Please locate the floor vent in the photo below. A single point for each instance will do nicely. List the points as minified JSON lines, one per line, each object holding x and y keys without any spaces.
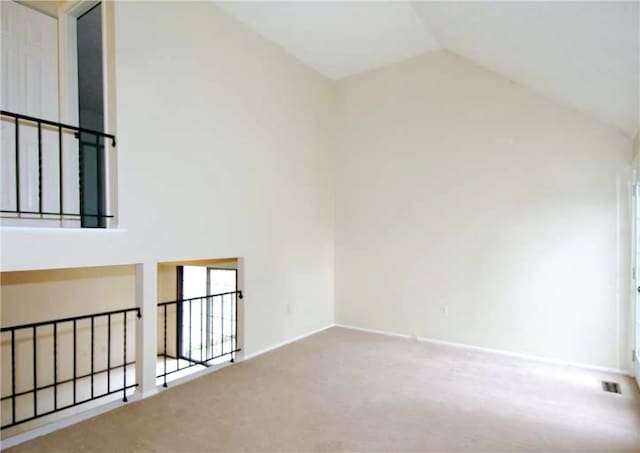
{"x":611,"y":387}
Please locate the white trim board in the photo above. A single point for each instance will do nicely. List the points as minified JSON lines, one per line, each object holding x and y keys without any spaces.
{"x":284,"y":343}
{"x":519,"y":355}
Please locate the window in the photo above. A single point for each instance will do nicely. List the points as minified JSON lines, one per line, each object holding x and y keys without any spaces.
{"x":206,"y":325}
{"x":91,"y":116}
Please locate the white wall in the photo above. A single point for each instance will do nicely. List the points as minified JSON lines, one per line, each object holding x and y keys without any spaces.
{"x":471,"y":210}
{"x":222,"y":151}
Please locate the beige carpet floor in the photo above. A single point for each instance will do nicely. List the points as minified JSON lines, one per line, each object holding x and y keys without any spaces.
{"x":344,"y":390}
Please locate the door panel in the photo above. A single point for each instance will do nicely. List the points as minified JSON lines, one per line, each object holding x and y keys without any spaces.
{"x":29,"y":86}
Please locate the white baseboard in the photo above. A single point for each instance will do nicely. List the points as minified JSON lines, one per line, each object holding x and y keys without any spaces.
{"x":519,"y":355}
{"x":284,"y":343}
{"x":149,"y":393}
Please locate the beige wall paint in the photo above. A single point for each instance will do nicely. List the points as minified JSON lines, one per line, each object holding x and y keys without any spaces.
{"x":222,"y":151}
{"x":469,"y":209}
{"x":34,"y":296}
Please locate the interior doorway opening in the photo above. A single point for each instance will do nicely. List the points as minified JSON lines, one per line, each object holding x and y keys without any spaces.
{"x":199,"y":316}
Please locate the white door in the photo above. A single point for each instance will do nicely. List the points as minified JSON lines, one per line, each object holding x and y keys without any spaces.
{"x":30,"y":87}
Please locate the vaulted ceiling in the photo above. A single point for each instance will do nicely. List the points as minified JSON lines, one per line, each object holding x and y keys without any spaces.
{"x":583,"y":54}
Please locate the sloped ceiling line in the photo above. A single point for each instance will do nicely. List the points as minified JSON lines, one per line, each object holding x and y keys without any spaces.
{"x":585,"y":55}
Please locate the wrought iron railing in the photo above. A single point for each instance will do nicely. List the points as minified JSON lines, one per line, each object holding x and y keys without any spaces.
{"x":95,"y":216}
{"x":203,"y":329}
{"x":43,"y":359}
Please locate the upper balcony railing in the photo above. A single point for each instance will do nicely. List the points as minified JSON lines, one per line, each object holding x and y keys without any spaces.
{"x":53,"y":171}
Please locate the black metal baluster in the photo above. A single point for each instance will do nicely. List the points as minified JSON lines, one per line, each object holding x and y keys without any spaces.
{"x":40,"y":168}
{"x":74,"y":361}
{"x":210,"y":320}
{"x":190,"y":329}
{"x":13,"y":376}
{"x":92,"y":336}
{"x":17,"y":166}
{"x":165,"y":346}
{"x":179,"y":331}
{"x":55,"y":366}
{"x":108,"y":353}
{"x":208,"y":328}
{"x":99,"y":181}
{"x":124,"y":361}
{"x":60,"y":178}
{"x":35,"y":373}
{"x":204,"y":327}
{"x":234,"y":343}
{"x":221,"y":325}
{"x":81,"y":179}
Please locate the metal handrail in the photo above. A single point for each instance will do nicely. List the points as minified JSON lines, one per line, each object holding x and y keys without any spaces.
{"x":70,"y":319}
{"x":239,"y":293}
{"x":20,"y":116}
